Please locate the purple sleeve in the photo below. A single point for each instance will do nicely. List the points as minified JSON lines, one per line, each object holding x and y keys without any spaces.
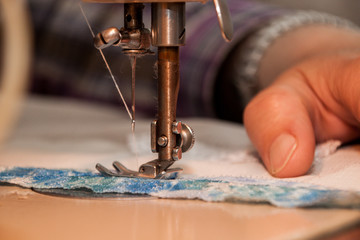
{"x":206,"y":50}
{"x":67,"y":64}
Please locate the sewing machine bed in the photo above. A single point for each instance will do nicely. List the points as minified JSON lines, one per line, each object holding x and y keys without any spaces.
{"x":62,"y":134}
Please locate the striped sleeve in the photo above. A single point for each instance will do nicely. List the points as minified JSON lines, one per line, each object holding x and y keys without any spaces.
{"x":206,"y":50}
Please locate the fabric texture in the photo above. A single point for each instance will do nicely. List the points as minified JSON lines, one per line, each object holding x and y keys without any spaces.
{"x":58,"y":144}
{"x":229,"y":189}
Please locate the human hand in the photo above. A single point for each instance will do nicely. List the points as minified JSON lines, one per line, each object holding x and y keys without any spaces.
{"x":311,"y":102}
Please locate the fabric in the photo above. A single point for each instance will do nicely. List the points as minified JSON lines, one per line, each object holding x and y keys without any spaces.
{"x":58,"y":144}
{"x":230,"y":189}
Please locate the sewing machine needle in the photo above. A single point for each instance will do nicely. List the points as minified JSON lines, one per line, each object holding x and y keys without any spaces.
{"x":133,"y":70}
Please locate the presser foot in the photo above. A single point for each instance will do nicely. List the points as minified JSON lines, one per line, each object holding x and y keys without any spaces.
{"x":156,"y":169}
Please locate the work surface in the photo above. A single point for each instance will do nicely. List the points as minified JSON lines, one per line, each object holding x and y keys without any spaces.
{"x":63,"y":132}
{"x":29,"y":215}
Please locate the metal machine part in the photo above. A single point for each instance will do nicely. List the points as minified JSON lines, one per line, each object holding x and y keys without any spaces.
{"x":133,"y":38}
{"x":185,"y":139}
{"x":169,"y":138}
{"x":224,"y":17}
{"x":168,"y":24}
{"x":155,"y":169}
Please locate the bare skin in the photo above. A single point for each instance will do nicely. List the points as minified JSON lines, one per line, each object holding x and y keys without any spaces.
{"x":314,"y":97}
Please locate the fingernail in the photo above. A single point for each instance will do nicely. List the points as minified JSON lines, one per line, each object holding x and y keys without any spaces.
{"x":281,"y":152}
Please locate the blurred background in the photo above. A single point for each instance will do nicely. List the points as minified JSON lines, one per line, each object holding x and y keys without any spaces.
{"x":64,"y":61}
{"x":49,"y":51}
{"x":344,"y":8}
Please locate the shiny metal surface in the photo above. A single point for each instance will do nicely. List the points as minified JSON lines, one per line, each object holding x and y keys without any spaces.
{"x":168,"y":24}
{"x":133,"y":38}
{"x":177,"y":127}
{"x":155,"y":169}
{"x":107,"y":38}
{"x":133,"y":16}
{"x":153,"y":136}
{"x":224,"y":18}
{"x":176,"y":153}
{"x":169,"y":138}
{"x":160,"y":168}
{"x":187,"y":136}
{"x":168,"y":33}
{"x":168,"y":88}
{"x":138,"y":39}
{"x":184,"y":139}
{"x":162,"y":141}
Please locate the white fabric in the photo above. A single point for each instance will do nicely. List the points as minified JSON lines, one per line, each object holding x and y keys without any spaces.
{"x":55,"y":133}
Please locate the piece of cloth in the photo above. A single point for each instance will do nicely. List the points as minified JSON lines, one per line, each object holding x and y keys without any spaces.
{"x":58,"y":143}
{"x":230,"y":189}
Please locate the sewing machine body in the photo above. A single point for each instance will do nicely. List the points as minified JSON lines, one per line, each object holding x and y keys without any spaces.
{"x":169,"y":137}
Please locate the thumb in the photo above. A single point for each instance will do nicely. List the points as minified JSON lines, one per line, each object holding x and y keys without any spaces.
{"x":279,"y":124}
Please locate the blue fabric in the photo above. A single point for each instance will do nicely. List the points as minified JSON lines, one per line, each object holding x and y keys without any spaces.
{"x":234,"y":189}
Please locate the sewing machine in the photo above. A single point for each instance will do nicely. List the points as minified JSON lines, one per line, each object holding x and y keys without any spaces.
{"x":169,"y":137}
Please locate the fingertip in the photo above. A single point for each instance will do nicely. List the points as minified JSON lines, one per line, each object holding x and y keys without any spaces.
{"x":280,"y":128}
{"x":281,"y":152}
{"x":294,"y":161}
